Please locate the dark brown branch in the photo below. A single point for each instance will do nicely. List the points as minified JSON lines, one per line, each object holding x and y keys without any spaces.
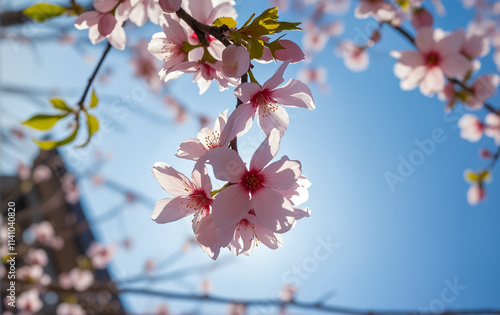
{"x":202,"y":30}
{"x":94,"y":74}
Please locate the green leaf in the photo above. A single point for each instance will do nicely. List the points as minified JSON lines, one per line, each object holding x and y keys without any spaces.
{"x":43,"y":122}
{"x":94,"y":100}
{"x":50,"y":144}
{"x":267,"y":23}
{"x":248,"y":21}
{"x":60,"y":104}
{"x":255,"y":47}
{"x":93,"y":126}
{"x":43,"y":11}
{"x":225,"y":20}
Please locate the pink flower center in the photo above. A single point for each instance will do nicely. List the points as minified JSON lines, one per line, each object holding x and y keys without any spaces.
{"x":252,"y":181}
{"x":212,"y":141}
{"x":245,"y":224}
{"x":265,"y":102}
{"x":198,"y":200}
{"x":432,"y":59}
{"x":170,"y":50}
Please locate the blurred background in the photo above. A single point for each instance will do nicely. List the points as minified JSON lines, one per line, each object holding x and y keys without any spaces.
{"x":382,"y":245}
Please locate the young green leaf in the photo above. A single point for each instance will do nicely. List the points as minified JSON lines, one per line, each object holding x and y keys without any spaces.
{"x":51,"y":144}
{"x":225,"y":20}
{"x":43,"y":122}
{"x":94,"y":100}
{"x":43,"y":11}
{"x":60,"y":104}
{"x":93,"y":126}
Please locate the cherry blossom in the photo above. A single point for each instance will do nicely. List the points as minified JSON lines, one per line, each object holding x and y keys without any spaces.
{"x":290,"y":51}
{"x":355,"y":57}
{"x":477,"y":191}
{"x":207,"y":139}
{"x":37,"y":257}
{"x":77,"y":278}
{"x":492,"y":128}
{"x":482,"y":89}
{"x":101,"y":255}
{"x":378,"y":9}
{"x":142,"y":10}
{"x":70,"y":309}
{"x":420,"y":17}
{"x":106,"y":22}
{"x":265,"y":103}
{"x":438,"y":56}
{"x":168,"y":45}
{"x":471,"y":127}
{"x":145,"y":65}
{"x":33,"y":274}
{"x":256,"y":188}
{"x":244,"y":235}
{"x":190,"y":197}
{"x":29,"y":301}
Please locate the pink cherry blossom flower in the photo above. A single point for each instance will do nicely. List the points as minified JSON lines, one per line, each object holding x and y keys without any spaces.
{"x":235,"y":61}
{"x":471,"y":127}
{"x":170,"y":6}
{"x":29,"y":301}
{"x":449,"y":95}
{"x":43,"y":232}
{"x":265,"y":103}
{"x":162,"y":309}
{"x":492,"y":128}
{"x":70,"y":309}
{"x":476,"y":45}
{"x":106,"y":22}
{"x":33,"y":274}
{"x":314,"y":75}
{"x":190,"y":197}
{"x":288,"y":292}
{"x":378,"y":9}
{"x":476,"y":194}
{"x":355,"y":57}
{"x":314,"y":38}
{"x":37,"y":257}
{"x":203,"y":74}
{"x":257,"y":187}
{"x":438,"y":56}
{"x":207,"y":139}
{"x":142,"y":10}
{"x":41,"y":173}
{"x":483,"y":88}
{"x":243,"y":236}
{"x":168,"y":45}
{"x":237,"y":309}
{"x":101,"y":255}
{"x":80,"y":279}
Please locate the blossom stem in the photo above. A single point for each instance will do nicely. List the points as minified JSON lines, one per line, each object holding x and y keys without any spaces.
{"x":93,"y":76}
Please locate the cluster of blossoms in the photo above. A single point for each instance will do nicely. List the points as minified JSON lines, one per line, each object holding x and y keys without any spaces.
{"x":443,"y":64}
{"x":259,"y":202}
{"x":34,"y":269}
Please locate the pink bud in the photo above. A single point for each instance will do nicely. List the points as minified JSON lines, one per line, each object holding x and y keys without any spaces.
{"x":421,"y":18}
{"x":170,"y":6}
{"x":235,"y":61}
{"x":485,"y":154}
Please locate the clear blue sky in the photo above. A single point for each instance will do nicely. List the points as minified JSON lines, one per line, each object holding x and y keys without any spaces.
{"x":394,"y":249}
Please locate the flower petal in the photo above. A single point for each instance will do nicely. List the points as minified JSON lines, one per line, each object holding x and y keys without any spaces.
{"x":246,"y":91}
{"x":282,"y":174}
{"x":294,"y":93}
{"x":172,"y":181}
{"x":266,"y":151}
{"x":171,"y":209}
{"x":201,"y":180}
{"x":275,"y":119}
{"x":227,"y":164}
{"x":273,"y":210}
{"x":205,"y":232}
{"x":424,"y":40}
{"x":230,"y":206}
{"x":238,"y":123}
{"x":106,"y":24}
{"x":277,"y":77}
{"x":191,"y":149}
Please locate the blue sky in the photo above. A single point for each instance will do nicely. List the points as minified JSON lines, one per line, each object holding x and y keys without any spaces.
{"x":392,"y":249}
